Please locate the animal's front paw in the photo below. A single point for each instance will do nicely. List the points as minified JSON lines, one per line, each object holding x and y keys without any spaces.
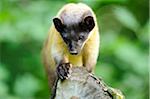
{"x":63,"y":70}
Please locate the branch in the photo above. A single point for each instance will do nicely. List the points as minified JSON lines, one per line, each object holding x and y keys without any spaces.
{"x":84,"y":85}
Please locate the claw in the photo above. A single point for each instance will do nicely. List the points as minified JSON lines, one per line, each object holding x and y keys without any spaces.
{"x":63,"y":71}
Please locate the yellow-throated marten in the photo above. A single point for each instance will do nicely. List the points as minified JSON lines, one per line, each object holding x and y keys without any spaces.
{"x":73,"y":38}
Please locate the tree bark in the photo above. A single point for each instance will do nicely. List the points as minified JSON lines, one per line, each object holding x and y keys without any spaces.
{"x":83,"y":85}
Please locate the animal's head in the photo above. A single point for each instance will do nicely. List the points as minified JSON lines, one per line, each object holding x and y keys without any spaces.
{"x":75,"y":24}
{"x":75,"y":35}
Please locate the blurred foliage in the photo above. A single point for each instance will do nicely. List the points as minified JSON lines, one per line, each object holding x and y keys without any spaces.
{"x":123,"y":59}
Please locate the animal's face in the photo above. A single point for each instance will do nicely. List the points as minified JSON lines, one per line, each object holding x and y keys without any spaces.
{"x":75,"y":35}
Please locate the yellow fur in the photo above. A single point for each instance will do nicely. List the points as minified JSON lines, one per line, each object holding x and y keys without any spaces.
{"x":55,"y":47}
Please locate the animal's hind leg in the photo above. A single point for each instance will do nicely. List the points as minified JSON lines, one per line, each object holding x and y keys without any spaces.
{"x":51,"y":74}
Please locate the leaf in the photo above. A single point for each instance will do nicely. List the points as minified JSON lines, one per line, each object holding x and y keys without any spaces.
{"x":4,"y":73}
{"x":126,"y":18}
{"x":26,"y":85}
{"x":3,"y":89}
{"x":132,"y":56}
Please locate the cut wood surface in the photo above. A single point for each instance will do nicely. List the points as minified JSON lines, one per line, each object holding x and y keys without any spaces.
{"x":83,"y":85}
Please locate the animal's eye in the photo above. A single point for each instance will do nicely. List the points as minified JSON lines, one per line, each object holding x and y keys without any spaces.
{"x":81,"y":37}
{"x":66,"y":39}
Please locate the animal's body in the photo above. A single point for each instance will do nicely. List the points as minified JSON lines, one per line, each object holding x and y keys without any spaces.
{"x":74,"y":38}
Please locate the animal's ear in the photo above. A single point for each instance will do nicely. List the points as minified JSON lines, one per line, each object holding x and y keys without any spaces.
{"x":58,"y":24}
{"x":89,"y":22}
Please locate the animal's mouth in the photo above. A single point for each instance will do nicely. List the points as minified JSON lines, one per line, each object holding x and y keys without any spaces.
{"x":74,"y":52}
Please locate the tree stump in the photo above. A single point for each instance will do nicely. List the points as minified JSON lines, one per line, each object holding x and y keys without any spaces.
{"x":83,"y":85}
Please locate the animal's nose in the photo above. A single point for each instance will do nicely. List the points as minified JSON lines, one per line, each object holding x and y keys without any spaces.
{"x":72,"y":50}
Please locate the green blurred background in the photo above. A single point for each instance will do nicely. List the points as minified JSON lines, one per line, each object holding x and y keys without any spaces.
{"x":123,"y":59}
